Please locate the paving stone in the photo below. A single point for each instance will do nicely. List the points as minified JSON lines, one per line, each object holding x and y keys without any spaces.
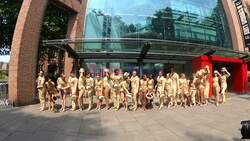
{"x":29,"y":127}
{"x":63,"y":137}
{"x":90,"y":128}
{"x":140,"y":137}
{"x":4,"y":134}
{"x":43,"y":136}
{"x":18,"y":136}
{"x":89,"y":138}
{"x":199,"y":123}
{"x":167,"y":136}
{"x":131,"y":126}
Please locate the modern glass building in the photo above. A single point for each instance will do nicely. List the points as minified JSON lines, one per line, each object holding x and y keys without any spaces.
{"x":178,"y":30}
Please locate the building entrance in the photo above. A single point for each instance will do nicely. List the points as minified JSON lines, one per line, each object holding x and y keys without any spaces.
{"x":148,"y":67}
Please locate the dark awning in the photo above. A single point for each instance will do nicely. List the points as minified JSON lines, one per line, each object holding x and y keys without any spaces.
{"x":131,"y":48}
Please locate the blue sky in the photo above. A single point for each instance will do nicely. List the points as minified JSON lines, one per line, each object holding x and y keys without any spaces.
{"x":5,"y":58}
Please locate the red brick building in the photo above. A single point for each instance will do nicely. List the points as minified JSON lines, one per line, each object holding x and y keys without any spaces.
{"x":193,"y":34}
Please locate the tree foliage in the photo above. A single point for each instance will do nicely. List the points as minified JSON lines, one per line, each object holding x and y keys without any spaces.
{"x":54,"y":24}
{"x":9,"y":10}
{"x":3,"y":75}
{"x":163,"y":24}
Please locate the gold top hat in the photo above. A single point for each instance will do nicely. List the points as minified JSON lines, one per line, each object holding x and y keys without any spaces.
{"x":216,"y":71}
{"x":223,"y":69}
{"x":106,"y":70}
{"x":101,"y":97}
{"x":129,"y":95}
{"x":81,"y":70}
{"x":126,"y":74}
{"x":54,"y":97}
{"x":199,"y":72}
{"x":162,"y":95}
{"x":150,"y":96}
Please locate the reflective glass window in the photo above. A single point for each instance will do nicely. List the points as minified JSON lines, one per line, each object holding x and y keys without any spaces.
{"x":194,"y":21}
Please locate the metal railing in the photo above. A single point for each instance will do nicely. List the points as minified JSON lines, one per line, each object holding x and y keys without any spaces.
{"x":4,"y":103}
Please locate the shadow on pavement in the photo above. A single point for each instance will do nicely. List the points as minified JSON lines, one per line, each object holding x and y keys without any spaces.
{"x":201,"y":136}
{"x":28,"y":124}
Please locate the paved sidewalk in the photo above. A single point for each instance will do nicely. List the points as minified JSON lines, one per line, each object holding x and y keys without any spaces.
{"x":206,"y":123}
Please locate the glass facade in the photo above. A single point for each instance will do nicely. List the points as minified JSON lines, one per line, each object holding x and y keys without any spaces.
{"x":193,"y":21}
{"x":147,"y":67}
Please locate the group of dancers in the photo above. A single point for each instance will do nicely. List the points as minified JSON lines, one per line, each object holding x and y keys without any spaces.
{"x":170,"y":89}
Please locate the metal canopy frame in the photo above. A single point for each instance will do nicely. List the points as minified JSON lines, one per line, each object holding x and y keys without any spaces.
{"x":64,"y":47}
{"x":169,"y":50}
{"x":146,"y":47}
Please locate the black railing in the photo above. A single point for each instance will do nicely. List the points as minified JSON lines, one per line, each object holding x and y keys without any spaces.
{"x":4,"y":95}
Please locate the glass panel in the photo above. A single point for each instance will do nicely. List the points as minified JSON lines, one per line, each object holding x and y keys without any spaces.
{"x":129,"y":67}
{"x":195,"y":21}
{"x":148,"y":68}
{"x":93,"y":67}
{"x":99,"y":46}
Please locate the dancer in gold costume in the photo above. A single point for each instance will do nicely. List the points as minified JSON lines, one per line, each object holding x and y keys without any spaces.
{"x":89,"y":90}
{"x":52,"y":94}
{"x":223,"y":79}
{"x":63,"y":89}
{"x":124,"y":91}
{"x":143,"y":91}
{"x":160,"y":88}
{"x":184,"y":87}
{"x":193,"y":90}
{"x":175,"y":84}
{"x":216,"y":87}
{"x":116,"y":80}
{"x":73,"y":90}
{"x":206,"y":84}
{"x":41,"y":90}
{"x":106,"y":87}
{"x":135,"y":81}
{"x":81,"y":88}
{"x":151,"y":90}
{"x":168,"y":90}
{"x":200,"y":87}
{"x":98,"y":91}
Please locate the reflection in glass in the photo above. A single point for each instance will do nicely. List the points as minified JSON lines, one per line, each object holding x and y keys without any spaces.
{"x":195,"y":21}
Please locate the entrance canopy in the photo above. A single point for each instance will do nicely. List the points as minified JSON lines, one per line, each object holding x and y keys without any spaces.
{"x":140,"y":49}
{"x":146,"y":50}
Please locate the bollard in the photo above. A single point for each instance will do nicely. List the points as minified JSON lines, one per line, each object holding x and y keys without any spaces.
{"x":245,"y":129}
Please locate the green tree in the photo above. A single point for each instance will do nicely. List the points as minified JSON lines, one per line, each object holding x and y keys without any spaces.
{"x":9,"y":10}
{"x":163,"y":24}
{"x":54,"y":25}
